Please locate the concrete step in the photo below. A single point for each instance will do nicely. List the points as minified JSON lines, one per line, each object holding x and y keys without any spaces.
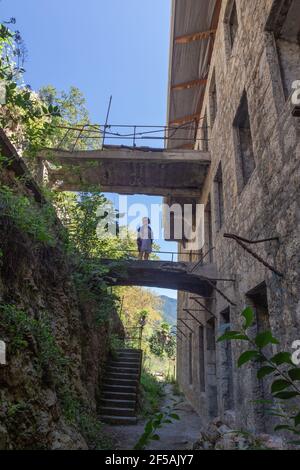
{"x":118,"y":419}
{"x":129,"y":382}
{"x":137,"y":356}
{"x":130,"y":359}
{"x":122,"y":370}
{"x":119,"y":388}
{"x":114,"y":403}
{"x":127,"y":359}
{"x":121,"y":375}
{"x":126,"y":364}
{"x":118,"y":403}
{"x":128,"y":412}
{"x":115,"y":395}
{"x":128,"y":350}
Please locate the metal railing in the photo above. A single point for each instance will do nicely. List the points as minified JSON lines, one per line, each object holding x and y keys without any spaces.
{"x":131,"y":135}
{"x":188,"y":254}
{"x":133,"y":337}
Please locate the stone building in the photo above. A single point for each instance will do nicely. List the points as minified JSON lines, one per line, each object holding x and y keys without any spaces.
{"x":232,"y":68}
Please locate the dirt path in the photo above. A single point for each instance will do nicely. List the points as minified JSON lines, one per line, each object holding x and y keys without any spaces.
{"x":176,"y":436}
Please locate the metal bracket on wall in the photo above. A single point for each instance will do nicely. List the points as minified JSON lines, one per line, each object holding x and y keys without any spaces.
{"x":177,"y":336}
{"x":193,"y":316}
{"x":178,"y":329}
{"x":221,"y":293}
{"x":242,"y":242}
{"x":187,"y":326}
{"x":204,"y":307}
{"x":201,"y":260}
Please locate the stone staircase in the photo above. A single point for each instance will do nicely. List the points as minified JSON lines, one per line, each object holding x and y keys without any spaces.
{"x":120,"y":390}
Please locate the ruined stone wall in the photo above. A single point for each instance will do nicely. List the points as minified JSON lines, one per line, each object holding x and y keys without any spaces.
{"x":37,"y":408}
{"x":268,"y":205}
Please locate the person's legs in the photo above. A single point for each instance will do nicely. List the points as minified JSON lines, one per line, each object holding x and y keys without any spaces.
{"x":140,"y":255}
{"x":146,"y":256}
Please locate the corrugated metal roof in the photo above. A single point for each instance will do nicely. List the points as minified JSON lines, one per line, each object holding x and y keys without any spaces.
{"x":189,"y":61}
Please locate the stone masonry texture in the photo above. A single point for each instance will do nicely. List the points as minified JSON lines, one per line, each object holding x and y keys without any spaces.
{"x":267,"y":206}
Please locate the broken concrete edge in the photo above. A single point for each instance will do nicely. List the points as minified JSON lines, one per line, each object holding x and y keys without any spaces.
{"x":17,"y":164}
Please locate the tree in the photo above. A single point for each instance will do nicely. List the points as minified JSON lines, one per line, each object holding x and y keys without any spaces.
{"x":136,"y":300}
{"x":24,"y":117}
{"x":162,"y":342}
{"x":45,"y":119}
{"x":74,"y":117}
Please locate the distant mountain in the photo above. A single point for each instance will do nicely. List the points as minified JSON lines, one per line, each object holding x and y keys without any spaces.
{"x":169,"y":309}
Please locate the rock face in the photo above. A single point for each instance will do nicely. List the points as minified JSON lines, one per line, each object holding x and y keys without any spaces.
{"x":51,"y":370}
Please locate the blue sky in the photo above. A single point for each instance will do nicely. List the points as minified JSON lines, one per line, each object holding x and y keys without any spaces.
{"x":115,"y":47}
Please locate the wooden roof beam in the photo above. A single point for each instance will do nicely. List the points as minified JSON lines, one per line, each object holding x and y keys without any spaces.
{"x":188,"y":85}
{"x":187,"y":146}
{"x":187,"y":38}
{"x":184,"y":120}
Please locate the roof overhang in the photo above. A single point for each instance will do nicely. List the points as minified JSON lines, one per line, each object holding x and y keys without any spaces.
{"x":193,"y":28}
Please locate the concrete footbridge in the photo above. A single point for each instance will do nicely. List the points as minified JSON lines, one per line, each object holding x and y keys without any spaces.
{"x":125,"y":170}
{"x":184,"y":276}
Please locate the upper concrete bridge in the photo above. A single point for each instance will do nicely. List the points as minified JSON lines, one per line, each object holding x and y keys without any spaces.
{"x":189,"y":277}
{"x":124,"y":170}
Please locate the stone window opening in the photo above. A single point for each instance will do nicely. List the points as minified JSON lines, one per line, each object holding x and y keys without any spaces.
{"x":201,"y":359}
{"x":213,"y":99}
{"x":219,"y":198}
{"x":211,"y":335}
{"x":204,"y":134}
{"x":231,"y":25}
{"x":226,"y":363}
{"x":244,"y":143}
{"x":257,"y":298}
{"x":285,"y":25}
{"x":208,"y":232}
{"x":190,"y":345}
{"x":212,"y":391}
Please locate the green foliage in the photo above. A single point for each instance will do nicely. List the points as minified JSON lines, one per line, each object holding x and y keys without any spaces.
{"x":285,"y":375}
{"x":81,"y":215}
{"x":23,"y":112}
{"x":115,"y":343}
{"x":176,"y":389}
{"x":249,"y":317}
{"x":73,"y":114}
{"x":92,"y":430}
{"x":15,"y":408}
{"x":162,"y":342}
{"x":87,"y":220}
{"x":153,"y":425}
{"x":25,"y":332}
{"x":38,"y":120}
{"x":69,"y":401}
{"x":21,"y":332}
{"x":20,"y":328}
{"x":36,"y":221}
{"x":152,"y":393}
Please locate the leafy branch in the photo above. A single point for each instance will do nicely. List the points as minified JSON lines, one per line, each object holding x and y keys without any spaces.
{"x":280,"y":366}
{"x":153,"y":425}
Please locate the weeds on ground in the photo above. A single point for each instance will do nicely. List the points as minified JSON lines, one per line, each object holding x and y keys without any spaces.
{"x":176,"y":389}
{"x":152,"y":393}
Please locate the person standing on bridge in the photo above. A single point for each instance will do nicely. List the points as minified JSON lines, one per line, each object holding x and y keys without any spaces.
{"x":145,"y":239}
